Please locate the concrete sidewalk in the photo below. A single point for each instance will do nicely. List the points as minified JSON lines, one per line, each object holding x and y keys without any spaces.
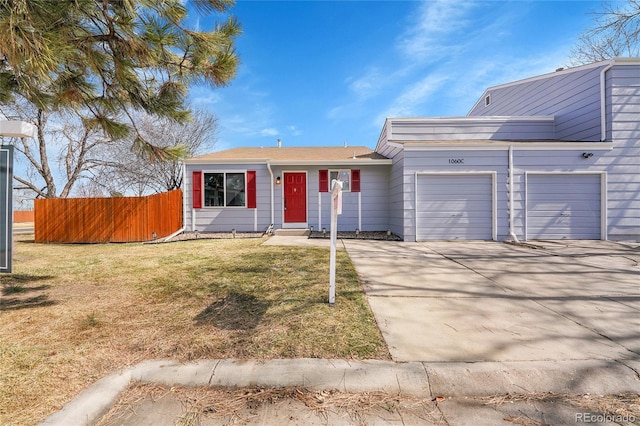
{"x":446,"y":386}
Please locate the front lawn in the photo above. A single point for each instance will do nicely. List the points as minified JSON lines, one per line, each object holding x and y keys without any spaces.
{"x":70,"y":314}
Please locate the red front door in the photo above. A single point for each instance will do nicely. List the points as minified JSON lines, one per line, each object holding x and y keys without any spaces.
{"x":295,"y":197}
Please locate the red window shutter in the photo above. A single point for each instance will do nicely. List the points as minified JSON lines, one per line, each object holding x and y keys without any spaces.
{"x":251,"y":189}
{"x":196,"y":183}
{"x":355,"y":180}
{"x":323,"y":177}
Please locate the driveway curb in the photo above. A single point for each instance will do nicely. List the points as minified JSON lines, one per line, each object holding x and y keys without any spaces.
{"x":419,"y":379}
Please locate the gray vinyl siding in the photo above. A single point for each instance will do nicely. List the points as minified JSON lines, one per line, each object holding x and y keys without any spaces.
{"x":495,"y":128}
{"x":475,"y":161}
{"x":224,"y":219}
{"x":573,"y":97}
{"x":396,"y":194}
{"x":374,"y":195}
{"x":623,"y":162}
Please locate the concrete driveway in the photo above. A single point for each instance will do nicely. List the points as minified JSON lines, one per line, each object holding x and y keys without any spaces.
{"x":489,"y":301}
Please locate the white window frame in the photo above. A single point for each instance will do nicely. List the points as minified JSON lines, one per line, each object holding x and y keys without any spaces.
{"x":338,"y":171}
{"x":224,"y":179}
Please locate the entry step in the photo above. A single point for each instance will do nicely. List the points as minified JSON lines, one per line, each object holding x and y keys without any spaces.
{"x":302,"y":232}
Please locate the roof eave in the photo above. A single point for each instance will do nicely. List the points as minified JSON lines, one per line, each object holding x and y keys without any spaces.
{"x":225,"y":161}
{"x":502,"y":144}
{"x":378,"y":162}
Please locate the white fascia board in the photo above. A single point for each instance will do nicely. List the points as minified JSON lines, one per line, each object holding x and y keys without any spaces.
{"x":17,"y":129}
{"x":189,"y":161}
{"x":332,"y":163}
{"x":384,"y":134}
{"x":292,"y":162}
{"x":475,"y":119}
{"x":502,"y":145}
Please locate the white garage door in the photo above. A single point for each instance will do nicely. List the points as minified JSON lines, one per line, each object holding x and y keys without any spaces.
{"x":563,"y":206}
{"x":451,"y":207}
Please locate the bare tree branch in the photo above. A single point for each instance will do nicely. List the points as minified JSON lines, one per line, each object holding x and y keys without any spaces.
{"x":616,"y":33}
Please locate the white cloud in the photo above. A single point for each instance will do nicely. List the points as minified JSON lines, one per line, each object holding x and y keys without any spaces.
{"x":207,"y":99}
{"x":269,"y":132}
{"x":432,"y":31}
{"x":407,"y":103}
{"x":367,"y":85}
{"x":293,"y":130}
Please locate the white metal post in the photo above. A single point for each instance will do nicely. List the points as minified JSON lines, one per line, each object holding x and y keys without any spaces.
{"x":336,"y":209}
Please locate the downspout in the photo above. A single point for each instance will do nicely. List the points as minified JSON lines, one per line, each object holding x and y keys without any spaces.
{"x":184,"y":195}
{"x":603,"y":103}
{"x":512,"y":233}
{"x":271,"y":186}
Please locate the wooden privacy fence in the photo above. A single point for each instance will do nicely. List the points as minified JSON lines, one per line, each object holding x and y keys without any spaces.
{"x":108,"y":220}
{"x":21,"y":216}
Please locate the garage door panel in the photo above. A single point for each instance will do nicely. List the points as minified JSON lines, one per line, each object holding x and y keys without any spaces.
{"x":563,"y":207}
{"x":582,"y":207}
{"x":459,"y":198}
{"x":454,"y":207}
{"x":570,"y":194}
{"x":481,"y":216}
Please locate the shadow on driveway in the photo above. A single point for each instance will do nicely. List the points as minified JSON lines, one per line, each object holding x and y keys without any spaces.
{"x":489,"y":301}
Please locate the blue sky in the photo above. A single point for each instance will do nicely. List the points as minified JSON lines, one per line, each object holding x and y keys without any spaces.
{"x":322,"y":73}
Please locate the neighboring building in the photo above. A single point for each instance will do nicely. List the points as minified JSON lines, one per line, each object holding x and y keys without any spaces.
{"x":551,"y":157}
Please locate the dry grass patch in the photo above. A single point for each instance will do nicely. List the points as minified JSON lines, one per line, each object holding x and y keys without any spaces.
{"x":72,"y":313}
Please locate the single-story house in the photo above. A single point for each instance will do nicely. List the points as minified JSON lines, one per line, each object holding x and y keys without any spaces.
{"x":249,"y":189}
{"x":555,"y":156}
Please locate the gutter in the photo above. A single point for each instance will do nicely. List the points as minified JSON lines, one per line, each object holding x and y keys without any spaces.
{"x":603,"y":103}
{"x":512,"y":232}
{"x":184,"y":193}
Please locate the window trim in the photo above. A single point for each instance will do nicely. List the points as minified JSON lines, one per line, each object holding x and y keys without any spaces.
{"x":224,"y":172}
{"x":338,"y":171}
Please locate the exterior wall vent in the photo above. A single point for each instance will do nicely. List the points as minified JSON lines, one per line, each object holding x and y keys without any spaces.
{"x":487,"y":100}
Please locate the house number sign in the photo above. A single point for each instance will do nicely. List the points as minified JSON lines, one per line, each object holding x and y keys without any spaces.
{"x":456,"y":160}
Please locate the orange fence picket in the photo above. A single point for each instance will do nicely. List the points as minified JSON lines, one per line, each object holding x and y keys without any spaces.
{"x":108,"y":220}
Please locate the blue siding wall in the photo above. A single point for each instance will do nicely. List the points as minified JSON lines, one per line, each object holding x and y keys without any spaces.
{"x":438,"y":161}
{"x":490,"y":128}
{"x":573,"y":97}
{"x":623,"y":162}
{"x":374,"y":202}
{"x":224,"y":219}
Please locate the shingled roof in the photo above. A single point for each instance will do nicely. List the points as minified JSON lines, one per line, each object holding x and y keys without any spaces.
{"x":295,"y":155}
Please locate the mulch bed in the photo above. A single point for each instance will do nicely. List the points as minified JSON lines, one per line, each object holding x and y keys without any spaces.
{"x":345,"y":235}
